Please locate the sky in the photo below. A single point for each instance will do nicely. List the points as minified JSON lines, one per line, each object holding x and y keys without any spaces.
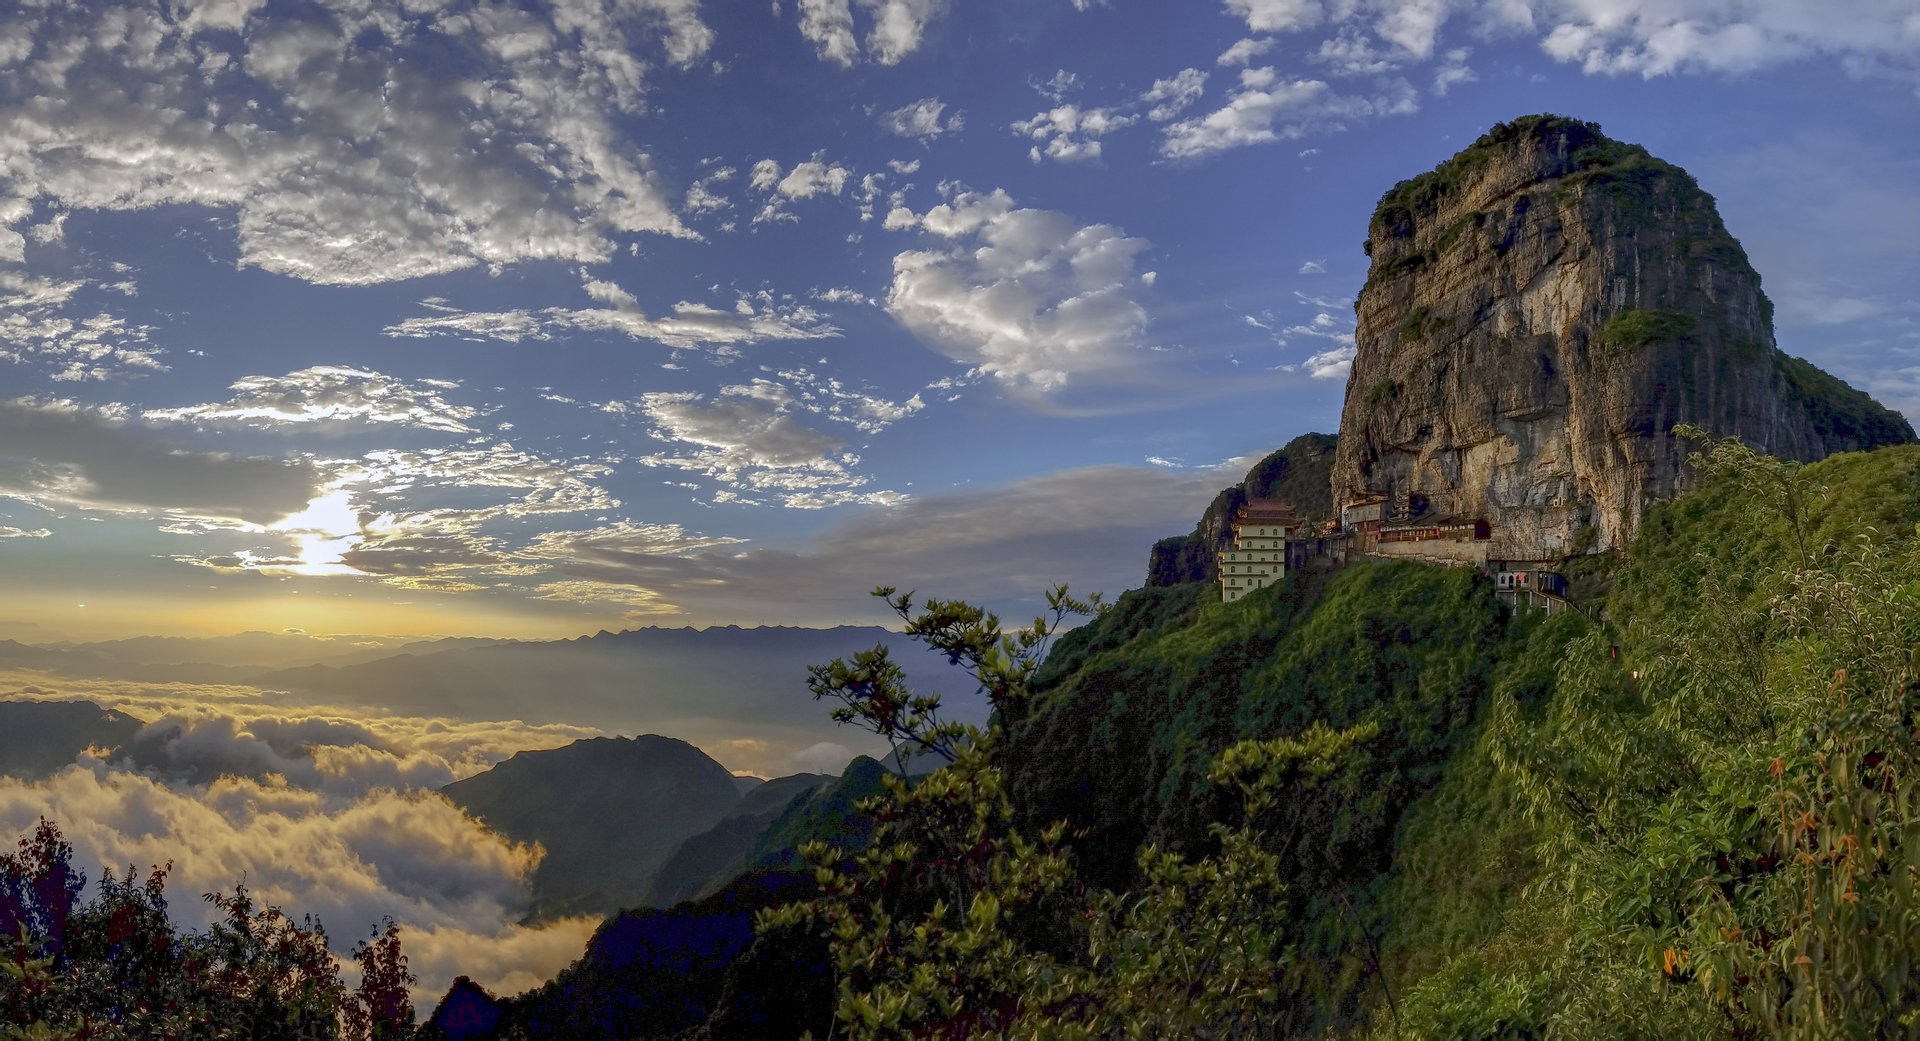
{"x":411,"y":318}
{"x":535,"y":319}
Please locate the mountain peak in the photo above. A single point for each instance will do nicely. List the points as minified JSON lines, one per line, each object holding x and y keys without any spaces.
{"x":1542,"y":309}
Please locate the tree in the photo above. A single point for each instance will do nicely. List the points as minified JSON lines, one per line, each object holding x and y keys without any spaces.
{"x":381,"y":1008}
{"x":953,"y":922}
{"x":116,"y":966}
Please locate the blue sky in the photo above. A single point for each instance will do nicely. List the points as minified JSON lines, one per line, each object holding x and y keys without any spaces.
{"x":536,"y":319}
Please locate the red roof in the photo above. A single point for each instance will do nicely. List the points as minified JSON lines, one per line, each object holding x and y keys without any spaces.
{"x":1270,"y":510}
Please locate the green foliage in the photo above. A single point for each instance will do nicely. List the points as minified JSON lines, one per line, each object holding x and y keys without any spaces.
{"x":1419,"y":196}
{"x":1642,"y":326}
{"x":1421,"y":323}
{"x":1408,"y":261}
{"x":1839,"y":412}
{"x":1728,"y":819}
{"x":955,"y":920}
{"x":115,"y":966}
{"x":872,"y":689}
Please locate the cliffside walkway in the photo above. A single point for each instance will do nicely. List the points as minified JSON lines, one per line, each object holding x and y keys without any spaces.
{"x":1534,"y":598}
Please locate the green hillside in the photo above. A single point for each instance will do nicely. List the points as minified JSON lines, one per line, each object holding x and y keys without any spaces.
{"x":1552,"y":801}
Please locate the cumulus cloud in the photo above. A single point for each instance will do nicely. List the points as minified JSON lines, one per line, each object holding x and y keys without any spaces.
{"x":1066,"y":133}
{"x":1025,"y":295}
{"x":921,"y":120}
{"x":341,"y":141}
{"x":895,"y":28}
{"x":1267,"y":107}
{"x":60,"y":454}
{"x":1069,"y":132}
{"x":815,"y":176}
{"x":331,"y":394}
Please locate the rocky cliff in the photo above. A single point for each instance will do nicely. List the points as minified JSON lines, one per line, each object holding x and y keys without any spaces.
{"x":1297,"y":473}
{"x":1541,"y":310}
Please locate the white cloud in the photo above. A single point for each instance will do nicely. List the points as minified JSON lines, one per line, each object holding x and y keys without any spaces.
{"x":49,"y":322}
{"x":816,"y":176}
{"x":8,"y":531}
{"x":1028,"y":296}
{"x":812,"y":178}
{"x":1245,"y":50}
{"x":1331,"y":364}
{"x":344,"y":157}
{"x":1171,"y":96}
{"x":1057,"y":86}
{"x":1353,"y":53}
{"x":1276,"y":16}
{"x":330,"y":394}
{"x":1067,"y":132}
{"x":1070,"y":132}
{"x":690,"y":324}
{"x":1268,"y":108}
{"x":1651,"y":38}
{"x":1608,"y":37}
{"x":921,"y":120}
{"x":1314,"y":267}
{"x":895,"y":28}
{"x":701,"y":196}
{"x":1453,"y":72}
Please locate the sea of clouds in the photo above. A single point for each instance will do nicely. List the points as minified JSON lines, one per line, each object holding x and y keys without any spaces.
{"x":319,"y":811}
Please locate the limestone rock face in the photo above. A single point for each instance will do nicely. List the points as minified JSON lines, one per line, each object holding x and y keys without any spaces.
{"x":1541,"y":310}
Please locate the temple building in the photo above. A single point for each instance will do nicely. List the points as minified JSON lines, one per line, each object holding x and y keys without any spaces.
{"x":1262,"y":530}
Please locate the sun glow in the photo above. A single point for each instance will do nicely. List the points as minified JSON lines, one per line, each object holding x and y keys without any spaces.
{"x":323,"y":533}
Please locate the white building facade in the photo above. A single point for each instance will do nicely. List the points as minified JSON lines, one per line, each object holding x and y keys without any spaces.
{"x":1258,"y":558}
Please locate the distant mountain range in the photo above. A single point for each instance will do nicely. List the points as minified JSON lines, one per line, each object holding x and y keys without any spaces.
{"x":654,"y":679}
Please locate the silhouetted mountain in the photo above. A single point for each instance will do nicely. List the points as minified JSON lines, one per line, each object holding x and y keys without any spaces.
{"x":607,"y":810}
{"x":714,"y":856}
{"x":38,"y":738}
{"x":658,"y":974}
{"x":86,"y":663}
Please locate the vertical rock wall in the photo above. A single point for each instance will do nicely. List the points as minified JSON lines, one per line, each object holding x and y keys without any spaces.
{"x":1541,"y":310}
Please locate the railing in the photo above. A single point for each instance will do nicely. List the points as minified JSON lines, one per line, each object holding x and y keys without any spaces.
{"x":1534,"y":598}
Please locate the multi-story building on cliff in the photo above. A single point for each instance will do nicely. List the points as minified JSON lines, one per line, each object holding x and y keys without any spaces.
{"x":1261,"y":532}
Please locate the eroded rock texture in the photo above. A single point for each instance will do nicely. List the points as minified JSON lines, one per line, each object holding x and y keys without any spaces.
{"x":1541,"y":311}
